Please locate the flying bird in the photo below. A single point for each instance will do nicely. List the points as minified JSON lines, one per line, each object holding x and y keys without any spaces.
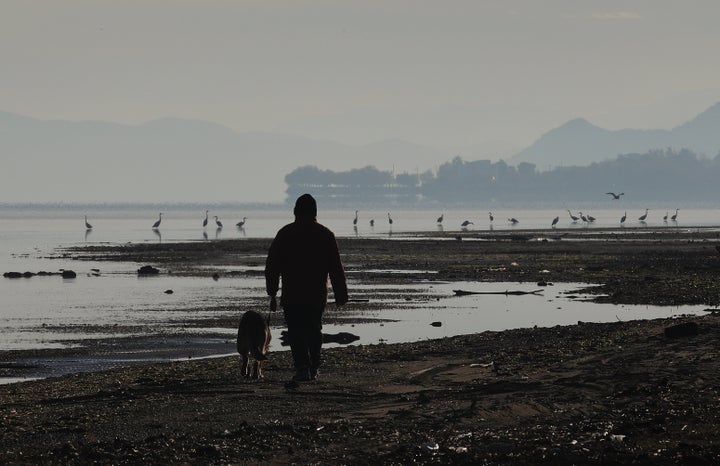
{"x":616,"y":196}
{"x":87,"y":225}
{"x":157,"y":224}
{"x":674,"y":217}
{"x":490,"y":215}
{"x":241,"y":223}
{"x":372,"y":222}
{"x":665,"y":217}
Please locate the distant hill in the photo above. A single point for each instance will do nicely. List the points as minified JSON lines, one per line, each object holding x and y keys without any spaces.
{"x":580,"y":143}
{"x":171,"y":160}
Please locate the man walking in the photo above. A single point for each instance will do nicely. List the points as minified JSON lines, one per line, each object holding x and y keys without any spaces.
{"x":304,"y":253}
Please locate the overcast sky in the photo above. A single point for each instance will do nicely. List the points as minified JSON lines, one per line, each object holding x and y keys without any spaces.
{"x":450,"y":73}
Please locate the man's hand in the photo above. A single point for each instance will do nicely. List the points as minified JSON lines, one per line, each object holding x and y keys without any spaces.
{"x":341,"y":299}
{"x":273,"y":304}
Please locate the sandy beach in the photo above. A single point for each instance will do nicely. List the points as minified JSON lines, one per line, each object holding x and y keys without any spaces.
{"x":623,"y":392}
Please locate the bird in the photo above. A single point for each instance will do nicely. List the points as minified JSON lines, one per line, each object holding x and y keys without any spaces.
{"x":584,"y":218}
{"x":490,"y":215}
{"x":554,"y":222}
{"x":674,"y":217}
{"x":389,"y":219}
{"x":616,"y":196}
{"x":466,"y":223}
{"x":665,"y":217}
{"x":157,"y":224}
{"x":513,"y":220}
{"x":440,"y":218}
{"x":574,"y":218}
{"x":87,"y":225}
{"x":206,"y":219}
{"x":218,"y":222}
{"x":643,"y":216}
{"x":356,"y":218}
{"x":622,"y":219}
{"x":241,"y":223}
{"x":372,"y":222}
{"x":590,"y":218}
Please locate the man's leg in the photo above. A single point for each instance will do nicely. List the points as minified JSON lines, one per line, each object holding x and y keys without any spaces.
{"x":295,"y":321}
{"x":313,"y":332}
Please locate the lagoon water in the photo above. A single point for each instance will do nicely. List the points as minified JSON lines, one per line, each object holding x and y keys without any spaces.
{"x":30,"y":309}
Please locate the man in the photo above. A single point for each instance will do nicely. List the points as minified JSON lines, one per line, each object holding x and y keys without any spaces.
{"x":304,"y":253}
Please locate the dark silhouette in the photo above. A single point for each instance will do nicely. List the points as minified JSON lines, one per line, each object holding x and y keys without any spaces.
{"x":616,"y":196}
{"x":157,"y":224}
{"x":554,"y":222}
{"x":205,"y":222}
{"x":303,"y":254}
{"x":89,"y":227}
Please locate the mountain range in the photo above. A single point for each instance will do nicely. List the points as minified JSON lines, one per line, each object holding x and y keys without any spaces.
{"x":177,"y":160}
{"x":579,"y":143}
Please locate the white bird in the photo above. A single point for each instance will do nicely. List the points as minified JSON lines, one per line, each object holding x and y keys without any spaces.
{"x":584,"y":218}
{"x":241,"y":223}
{"x":218,"y":222}
{"x":665,"y":217}
{"x":466,"y":223}
{"x":440,"y":218}
{"x":574,"y":218}
{"x":206,"y":219}
{"x":87,"y":225}
{"x":643,"y":217}
{"x":356,"y":218}
{"x":372,"y":222}
{"x":674,"y":217}
{"x":157,"y":224}
{"x":590,"y":218}
{"x":554,"y":222}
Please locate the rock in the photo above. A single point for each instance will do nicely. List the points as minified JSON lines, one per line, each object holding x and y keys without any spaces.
{"x":169,"y":291}
{"x":686,"y":329}
{"x":13,"y":275}
{"x":436,"y":324}
{"x":216,"y":277}
{"x":148,"y":270}
{"x":68,"y":274}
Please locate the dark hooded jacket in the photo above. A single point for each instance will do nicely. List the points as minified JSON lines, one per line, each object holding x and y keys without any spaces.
{"x":304,"y":253}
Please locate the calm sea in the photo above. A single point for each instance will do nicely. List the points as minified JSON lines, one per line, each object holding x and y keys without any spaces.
{"x":31,"y":309}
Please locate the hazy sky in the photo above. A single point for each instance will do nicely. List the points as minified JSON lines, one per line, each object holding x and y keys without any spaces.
{"x":443,"y":73}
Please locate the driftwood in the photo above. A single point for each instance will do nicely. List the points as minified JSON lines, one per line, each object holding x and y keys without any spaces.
{"x":506,"y":292}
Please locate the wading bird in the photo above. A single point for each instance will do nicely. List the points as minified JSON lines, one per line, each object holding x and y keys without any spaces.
{"x":87,"y":225}
{"x":389,"y":219}
{"x":241,"y":223}
{"x":574,"y":218}
{"x":372,"y":222}
{"x":157,"y":224}
{"x":206,"y":219}
{"x":554,"y":222}
{"x":616,"y":196}
{"x":665,"y":217}
{"x":643,"y":217}
{"x":490,"y":215}
{"x":218,"y":222}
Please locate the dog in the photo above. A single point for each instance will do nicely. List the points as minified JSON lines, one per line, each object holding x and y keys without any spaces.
{"x":253,"y":340}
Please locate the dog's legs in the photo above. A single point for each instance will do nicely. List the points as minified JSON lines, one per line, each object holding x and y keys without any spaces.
{"x":244,"y":366}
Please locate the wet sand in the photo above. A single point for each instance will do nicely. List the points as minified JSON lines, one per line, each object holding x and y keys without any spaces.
{"x":590,"y":393}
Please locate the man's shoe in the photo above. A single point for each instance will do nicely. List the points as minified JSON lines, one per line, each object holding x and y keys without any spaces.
{"x":302,"y":375}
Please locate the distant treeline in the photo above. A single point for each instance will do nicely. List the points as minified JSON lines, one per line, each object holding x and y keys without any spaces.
{"x":659,"y":175}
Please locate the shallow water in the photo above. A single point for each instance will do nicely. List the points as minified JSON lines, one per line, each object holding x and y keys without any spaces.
{"x":32,"y":309}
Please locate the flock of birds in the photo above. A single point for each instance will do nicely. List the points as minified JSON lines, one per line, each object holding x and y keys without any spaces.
{"x":156,"y":225}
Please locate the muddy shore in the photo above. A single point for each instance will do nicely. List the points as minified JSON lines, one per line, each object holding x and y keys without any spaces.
{"x":621,"y":393}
